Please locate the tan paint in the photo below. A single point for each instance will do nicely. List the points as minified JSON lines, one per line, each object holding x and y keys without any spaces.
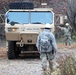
{"x":27,"y":33}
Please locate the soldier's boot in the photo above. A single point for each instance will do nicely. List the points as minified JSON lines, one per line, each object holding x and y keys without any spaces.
{"x":44,"y":71}
{"x":69,"y":44}
{"x":53,"y":66}
{"x":66,"y":43}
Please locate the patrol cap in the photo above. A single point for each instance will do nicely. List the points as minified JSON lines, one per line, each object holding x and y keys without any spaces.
{"x":48,"y":26}
{"x":67,"y":24}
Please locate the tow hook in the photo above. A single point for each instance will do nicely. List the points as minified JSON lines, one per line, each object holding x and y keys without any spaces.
{"x":21,"y":44}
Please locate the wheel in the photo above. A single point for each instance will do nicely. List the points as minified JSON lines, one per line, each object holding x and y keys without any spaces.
{"x":17,"y":52}
{"x":11,"y":50}
{"x":21,"y":5}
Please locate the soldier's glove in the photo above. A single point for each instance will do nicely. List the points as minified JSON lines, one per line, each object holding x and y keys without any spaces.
{"x":54,"y":51}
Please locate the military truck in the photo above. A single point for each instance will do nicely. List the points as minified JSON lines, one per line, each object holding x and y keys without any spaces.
{"x":23,"y":23}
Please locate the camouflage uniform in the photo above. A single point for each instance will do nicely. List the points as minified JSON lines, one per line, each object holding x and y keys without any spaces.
{"x":48,"y":55}
{"x":67,"y":35}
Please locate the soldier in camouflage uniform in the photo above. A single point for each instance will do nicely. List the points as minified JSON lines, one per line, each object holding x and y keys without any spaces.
{"x":67,"y":34}
{"x":48,"y":55}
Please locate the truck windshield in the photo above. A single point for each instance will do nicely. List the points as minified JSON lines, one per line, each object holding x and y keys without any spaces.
{"x":18,"y":17}
{"x":41,"y":17}
{"x":30,"y":17}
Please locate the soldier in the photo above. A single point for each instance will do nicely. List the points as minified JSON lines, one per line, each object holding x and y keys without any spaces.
{"x":67,"y":33}
{"x":47,"y":50}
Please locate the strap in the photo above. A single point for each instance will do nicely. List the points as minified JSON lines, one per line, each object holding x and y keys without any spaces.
{"x":46,"y":55}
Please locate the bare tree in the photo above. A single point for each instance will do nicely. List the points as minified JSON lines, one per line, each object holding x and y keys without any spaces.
{"x":71,"y":13}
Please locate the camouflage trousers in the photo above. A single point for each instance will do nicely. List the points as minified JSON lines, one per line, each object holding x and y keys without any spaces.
{"x":67,"y":40}
{"x":50,"y":58}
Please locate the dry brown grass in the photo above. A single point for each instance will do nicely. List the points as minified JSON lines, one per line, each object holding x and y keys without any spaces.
{"x":68,"y":66}
{"x":62,"y":46}
{"x":3,"y":52}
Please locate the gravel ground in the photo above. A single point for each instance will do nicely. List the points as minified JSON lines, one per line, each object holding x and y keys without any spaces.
{"x":20,"y":67}
{"x":25,"y":66}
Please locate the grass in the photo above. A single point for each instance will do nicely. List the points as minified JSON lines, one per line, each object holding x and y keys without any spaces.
{"x":67,"y":66}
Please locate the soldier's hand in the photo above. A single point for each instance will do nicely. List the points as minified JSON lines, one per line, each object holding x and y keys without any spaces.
{"x":39,"y":51}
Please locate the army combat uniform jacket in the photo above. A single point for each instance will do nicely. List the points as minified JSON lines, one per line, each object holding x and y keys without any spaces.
{"x":51,"y":37}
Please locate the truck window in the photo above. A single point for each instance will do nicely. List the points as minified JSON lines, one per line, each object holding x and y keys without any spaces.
{"x":41,"y":17}
{"x":18,"y":17}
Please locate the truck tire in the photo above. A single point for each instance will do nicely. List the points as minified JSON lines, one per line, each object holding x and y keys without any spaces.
{"x":11,"y":50}
{"x":21,"y":5}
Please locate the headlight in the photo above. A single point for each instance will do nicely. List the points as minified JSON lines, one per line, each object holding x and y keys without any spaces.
{"x":13,"y":29}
